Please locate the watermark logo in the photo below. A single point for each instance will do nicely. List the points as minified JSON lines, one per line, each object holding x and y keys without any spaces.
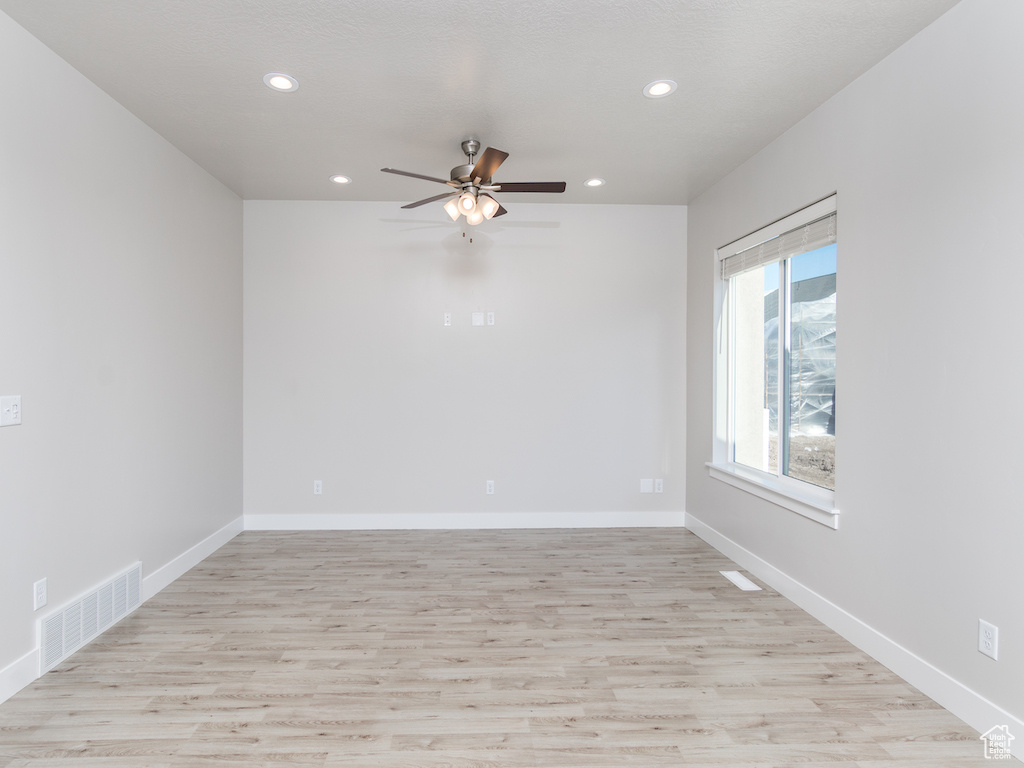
{"x":997,"y":743}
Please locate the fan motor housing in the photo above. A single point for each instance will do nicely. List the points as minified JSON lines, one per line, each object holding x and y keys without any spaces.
{"x":461,"y":172}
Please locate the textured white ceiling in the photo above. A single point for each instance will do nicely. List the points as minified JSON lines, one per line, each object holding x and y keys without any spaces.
{"x":400,"y":83}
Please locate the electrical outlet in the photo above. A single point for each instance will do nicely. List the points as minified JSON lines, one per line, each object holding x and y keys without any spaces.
{"x":38,"y":594}
{"x":10,"y":410}
{"x":490,"y":487}
{"x":659,"y":485}
{"x":490,"y":318}
{"x":988,"y":639}
{"x":447,"y":318}
{"x":318,"y":487}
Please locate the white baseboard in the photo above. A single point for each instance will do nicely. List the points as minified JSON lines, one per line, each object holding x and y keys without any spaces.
{"x":461,"y":521}
{"x":975,"y":710}
{"x":25,"y":670}
{"x":189,"y":559}
{"x":18,"y":674}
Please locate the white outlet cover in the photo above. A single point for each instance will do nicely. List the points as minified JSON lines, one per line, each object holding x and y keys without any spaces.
{"x":10,"y":410}
{"x":490,"y":318}
{"x":39,"y":594}
{"x":447,"y":318}
{"x":659,"y":485}
{"x":988,"y":639}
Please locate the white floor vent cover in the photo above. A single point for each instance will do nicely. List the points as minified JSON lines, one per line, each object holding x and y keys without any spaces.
{"x":740,"y":581}
{"x":64,"y":632}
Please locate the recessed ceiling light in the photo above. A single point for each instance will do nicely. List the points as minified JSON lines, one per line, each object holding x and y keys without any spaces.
{"x":280,"y":82}
{"x":594,"y":182}
{"x":659,"y":88}
{"x":339,"y":179}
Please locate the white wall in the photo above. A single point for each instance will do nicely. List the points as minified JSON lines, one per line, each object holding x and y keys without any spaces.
{"x":925,"y":153}
{"x":566,"y":402}
{"x":120,"y":327}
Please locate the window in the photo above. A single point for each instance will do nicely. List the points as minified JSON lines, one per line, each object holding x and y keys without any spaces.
{"x":776,"y":365}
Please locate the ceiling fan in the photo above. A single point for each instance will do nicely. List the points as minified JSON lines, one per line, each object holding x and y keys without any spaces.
{"x":473,"y":185}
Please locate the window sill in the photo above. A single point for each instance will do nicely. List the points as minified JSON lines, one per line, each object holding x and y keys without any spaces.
{"x":818,"y":504}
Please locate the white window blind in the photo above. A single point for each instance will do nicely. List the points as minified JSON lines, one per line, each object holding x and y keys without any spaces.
{"x":802,"y":239}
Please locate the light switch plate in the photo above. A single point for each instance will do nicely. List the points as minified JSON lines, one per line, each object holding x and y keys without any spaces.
{"x":10,"y":410}
{"x":478,"y":318}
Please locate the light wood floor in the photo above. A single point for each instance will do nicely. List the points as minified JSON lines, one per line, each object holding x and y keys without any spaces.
{"x":602,"y":648}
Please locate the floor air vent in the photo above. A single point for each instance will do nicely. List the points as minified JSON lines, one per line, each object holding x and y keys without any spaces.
{"x":64,"y":632}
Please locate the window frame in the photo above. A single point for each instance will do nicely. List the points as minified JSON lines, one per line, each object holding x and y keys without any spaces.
{"x":811,"y":501}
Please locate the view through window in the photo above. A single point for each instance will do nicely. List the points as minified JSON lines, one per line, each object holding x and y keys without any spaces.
{"x":782,"y":297}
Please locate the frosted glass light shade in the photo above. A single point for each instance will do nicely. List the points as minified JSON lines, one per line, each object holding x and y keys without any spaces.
{"x":467,"y":203}
{"x":475,"y":217}
{"x":452,"y":209}
{"x":488,"y":206}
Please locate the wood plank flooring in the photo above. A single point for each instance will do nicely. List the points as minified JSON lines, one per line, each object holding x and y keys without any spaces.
{"x":518,"y":649}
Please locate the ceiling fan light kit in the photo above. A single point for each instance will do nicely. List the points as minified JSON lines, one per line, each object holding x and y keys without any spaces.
{"x":471,"y":184}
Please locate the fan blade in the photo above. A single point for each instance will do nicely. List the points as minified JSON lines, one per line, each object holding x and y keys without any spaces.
{"x":417,"y":176}
{"x":442,"y":196}
{"x":501,"y":211}
{"x":538,"y":186}
{"x":488,"y":164}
